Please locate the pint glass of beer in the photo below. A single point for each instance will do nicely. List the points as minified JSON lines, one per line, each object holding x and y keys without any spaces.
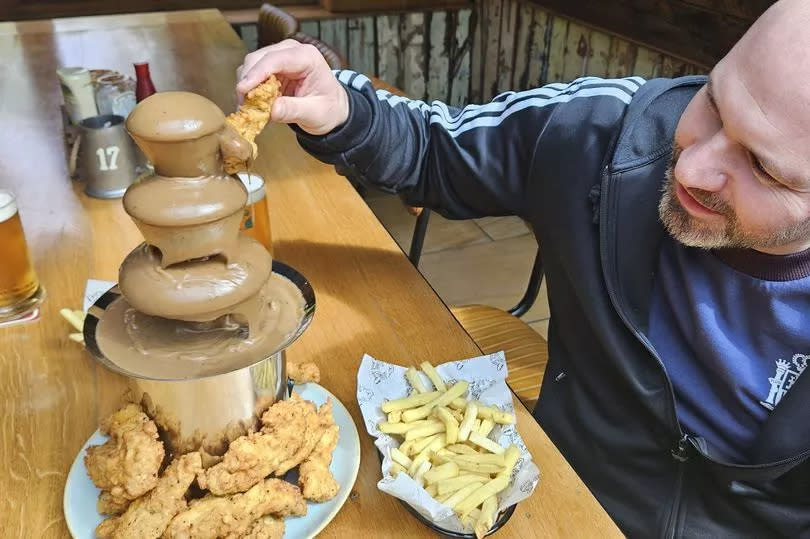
{"x":256,"y":220}
{"x":19,"y":286}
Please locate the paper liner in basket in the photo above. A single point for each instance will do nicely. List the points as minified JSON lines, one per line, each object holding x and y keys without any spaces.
{"x":378,"y":382}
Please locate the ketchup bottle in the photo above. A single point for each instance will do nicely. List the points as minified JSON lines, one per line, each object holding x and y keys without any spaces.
{"x":143,"y":85}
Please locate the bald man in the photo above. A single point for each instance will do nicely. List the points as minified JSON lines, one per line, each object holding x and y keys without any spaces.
{"x":674,"y":220}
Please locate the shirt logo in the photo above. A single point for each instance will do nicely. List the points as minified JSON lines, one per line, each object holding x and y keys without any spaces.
{"x":786,"y":375}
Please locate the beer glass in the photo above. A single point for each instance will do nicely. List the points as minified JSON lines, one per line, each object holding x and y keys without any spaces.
{"x":256,"y":220}
{"x":19,"y":286}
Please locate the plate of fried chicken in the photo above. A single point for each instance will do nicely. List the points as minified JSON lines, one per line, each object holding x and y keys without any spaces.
{"x":288,"y":479}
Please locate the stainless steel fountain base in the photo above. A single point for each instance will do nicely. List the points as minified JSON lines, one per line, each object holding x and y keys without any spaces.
{"x":208,"y":413}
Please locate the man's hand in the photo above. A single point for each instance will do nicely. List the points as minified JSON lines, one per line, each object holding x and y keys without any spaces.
{"x":311,"y":96}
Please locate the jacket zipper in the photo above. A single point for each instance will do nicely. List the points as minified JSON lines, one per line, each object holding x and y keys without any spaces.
{"x":680,"y":451}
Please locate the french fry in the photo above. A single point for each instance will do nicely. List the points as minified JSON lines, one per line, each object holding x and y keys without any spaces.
{"x":456,"y":483}
{"x":442,"y":497}
{"x":420,"y":472}
{"x":431,"y":373}
{"x":407,"y":447}
{"x":462,"y":494}
{"x":476,"y":425}
{"x":442,"y":456}
{"x":396,"y":469}
{"x":409,"y":402}
{"x":485,"y":518}
{"x":400,"y":457}
{"x":432,"y":490}
{"x":503,"y":418}
{"x":486,"y":427}
{"x":468,"y":522}
{"x":450,"y":424}
{"x":436,"y":442}
{"x":497,"y":416}
{"x":483,"y":458}
{"x":75,"y":320}
{"x":466,"y":426}
{"x":438,"y":473}
{"x":402,"y":428}
{"x":424,"y":430}
{"x":486,"y":443}
{"x":461,"y":449}
{"x":458,"y":414}
{"x":470,"y":519}
{"x":478,"y":467}
{"x":510,"y":458}
{"x":76,"y":337}
{"x":395,"y":416}
{"x":458,"y":404}
{"x":477,"y":497}
{"x":413,"y":377}
{"x":420,"y":445}
{"x":423,"y":411}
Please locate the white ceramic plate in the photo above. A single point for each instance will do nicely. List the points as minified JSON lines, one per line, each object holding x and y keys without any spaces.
{"x":81,"y":495}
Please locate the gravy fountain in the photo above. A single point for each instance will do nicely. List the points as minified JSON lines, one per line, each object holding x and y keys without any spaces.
{"x":202,"y":314}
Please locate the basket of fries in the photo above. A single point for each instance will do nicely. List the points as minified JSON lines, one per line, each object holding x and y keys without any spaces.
{"x":448,"y":440}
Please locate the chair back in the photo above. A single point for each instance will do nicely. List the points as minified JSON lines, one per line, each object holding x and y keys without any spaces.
{"x":275,"y":25}
{"x":333,"y":58}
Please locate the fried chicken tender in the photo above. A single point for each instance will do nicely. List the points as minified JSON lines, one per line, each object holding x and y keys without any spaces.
{"x":127,"y":465}
{"x":276,"y":422}
{"x":252,"y":116}
{"x":110,"y":505}
{"x":253,"y":457}
{"x":266,"y":528}
{"x":316,"y":481}
{"x":232,"y":516}
{"x":303,"y":372}
{"x":148,"y":516}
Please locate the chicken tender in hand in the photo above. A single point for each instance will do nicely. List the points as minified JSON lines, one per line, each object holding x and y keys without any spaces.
{"x":127,"y":465}
{"x":148,"y":516}
{"x":232,"y":516}
{"x":316,"y":481}
{"x":252,"y":116}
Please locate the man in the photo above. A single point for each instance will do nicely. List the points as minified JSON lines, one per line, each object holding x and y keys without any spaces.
{"x":674,"y":221}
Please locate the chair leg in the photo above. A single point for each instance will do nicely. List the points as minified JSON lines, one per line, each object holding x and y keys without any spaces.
{"x":418,"y":239}
{"x":532,"y":290}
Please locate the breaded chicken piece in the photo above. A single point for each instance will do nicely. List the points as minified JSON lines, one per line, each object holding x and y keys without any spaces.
{"x":276,"y":421}
{"x":316,"y":481}
{"x":253,"y":457}
{"x":252,"y":116}
{"x":266,"y":528}
{"x":110,"y":505}
{"x":127,"y":465}
{"x":232,"y":516}
{"x":148,"y":517}
{"x":303,"y":372}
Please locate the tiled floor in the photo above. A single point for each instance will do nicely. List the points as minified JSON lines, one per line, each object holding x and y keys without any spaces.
{"x":484,"y":261}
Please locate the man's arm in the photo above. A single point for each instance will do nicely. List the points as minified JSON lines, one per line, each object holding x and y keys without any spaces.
{"x":465,"y":163}
{"x":469,"y":162}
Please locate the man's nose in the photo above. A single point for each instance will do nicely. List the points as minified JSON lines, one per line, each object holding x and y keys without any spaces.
{"x":707,"y":164}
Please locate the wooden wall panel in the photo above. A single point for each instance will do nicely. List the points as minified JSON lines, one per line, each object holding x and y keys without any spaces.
{"x":537,"y":46}
{"x":471,"y":55}
{"x":701,"y":31}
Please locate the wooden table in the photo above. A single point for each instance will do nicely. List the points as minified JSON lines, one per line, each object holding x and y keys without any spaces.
{"x":370,"y":298}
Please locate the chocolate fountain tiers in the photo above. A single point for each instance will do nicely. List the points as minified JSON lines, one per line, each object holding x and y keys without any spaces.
{"x":202,"y":314}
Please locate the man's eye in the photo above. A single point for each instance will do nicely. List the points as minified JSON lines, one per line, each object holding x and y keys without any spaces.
{"x":762,"y":173}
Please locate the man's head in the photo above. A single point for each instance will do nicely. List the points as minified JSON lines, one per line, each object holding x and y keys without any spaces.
{"x":740,"y":171}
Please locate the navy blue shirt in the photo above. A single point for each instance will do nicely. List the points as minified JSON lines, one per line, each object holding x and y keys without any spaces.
{"x":732,"y":329}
